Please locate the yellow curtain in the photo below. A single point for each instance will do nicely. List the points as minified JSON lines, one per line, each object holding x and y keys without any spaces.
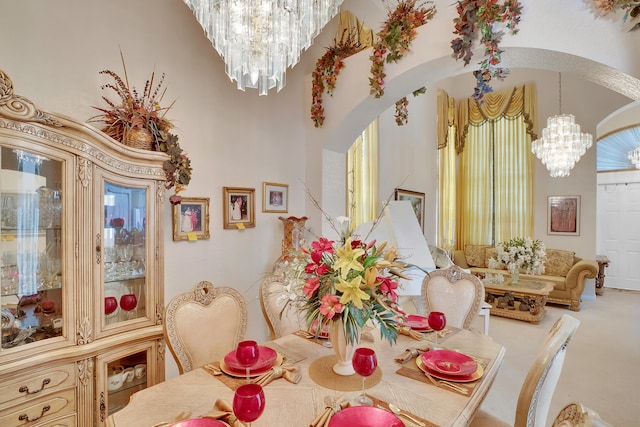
{"x":362,"y":176}
{"x":496,"y":166}
{"x":446,"y":170}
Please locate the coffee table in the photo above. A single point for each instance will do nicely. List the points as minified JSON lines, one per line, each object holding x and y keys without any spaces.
{"x":522,"y":301}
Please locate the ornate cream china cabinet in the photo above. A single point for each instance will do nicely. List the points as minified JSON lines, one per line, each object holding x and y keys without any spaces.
{"x":81,"y":246}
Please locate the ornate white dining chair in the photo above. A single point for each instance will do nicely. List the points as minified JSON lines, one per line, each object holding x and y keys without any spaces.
{"x":456,"y":293}
{"x":281,"y":317}
{"x":541,"y":380}
{"x":575,"y":414}
{"x":204,"y":324}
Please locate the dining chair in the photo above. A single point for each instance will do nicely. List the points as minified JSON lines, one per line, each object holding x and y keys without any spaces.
{"x":204,"y":324}
{"x":575,"y":414}
{"x":537,"y":390}
{"x":456,"y":293}
{"x":282,"y":318}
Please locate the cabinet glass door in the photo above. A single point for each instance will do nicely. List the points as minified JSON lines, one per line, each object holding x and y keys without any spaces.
{"x":31,"y":247}
{"x":125,"y":261}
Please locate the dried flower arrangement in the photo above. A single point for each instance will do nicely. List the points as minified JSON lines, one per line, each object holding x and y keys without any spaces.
{"x":483,"y":16}
{"x":402,"y":112}
{"x":137,"y":112}
{"x":326,"y":72}
{"x":631,"y":10}
{"x":395,"y":38}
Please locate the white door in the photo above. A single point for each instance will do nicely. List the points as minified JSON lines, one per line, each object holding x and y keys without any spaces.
{"x":618,"y":228}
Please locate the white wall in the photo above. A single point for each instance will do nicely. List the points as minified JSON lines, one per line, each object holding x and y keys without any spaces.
{"x":53,"y":52}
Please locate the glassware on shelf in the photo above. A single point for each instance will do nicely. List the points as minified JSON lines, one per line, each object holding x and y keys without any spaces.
{"x":128,"y":303}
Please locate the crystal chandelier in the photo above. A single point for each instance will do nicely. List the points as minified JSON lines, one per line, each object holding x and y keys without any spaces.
{"x":259,"y":39}
{"x":634,"y":156}
{"x":562,"y":144}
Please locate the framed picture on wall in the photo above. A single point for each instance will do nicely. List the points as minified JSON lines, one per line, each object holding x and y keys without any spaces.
{"x":238,"y":207}
{"x":275,"y":197}
{"x":417,"y":202}
{"x":563,"y":215}
{"x":190,"y":219}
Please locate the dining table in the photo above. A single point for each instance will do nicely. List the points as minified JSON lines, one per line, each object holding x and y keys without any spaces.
{"x":398,"y":381}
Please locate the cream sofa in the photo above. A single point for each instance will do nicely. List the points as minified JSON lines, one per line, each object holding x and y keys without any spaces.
{"x":566,"y":271}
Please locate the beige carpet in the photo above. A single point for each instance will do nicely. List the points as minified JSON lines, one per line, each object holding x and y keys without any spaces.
{"x":602,"y":366}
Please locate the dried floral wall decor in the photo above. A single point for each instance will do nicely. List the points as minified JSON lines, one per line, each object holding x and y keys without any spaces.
{"x":327,"y":70}
{"x":395,"y":38}
{"x":631,"y":10}
{"x":402,"y":112}
{"x":483,"y":16}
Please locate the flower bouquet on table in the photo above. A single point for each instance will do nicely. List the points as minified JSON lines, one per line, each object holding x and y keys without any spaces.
{"x":522,"y":253}
{"x":352,"y":282}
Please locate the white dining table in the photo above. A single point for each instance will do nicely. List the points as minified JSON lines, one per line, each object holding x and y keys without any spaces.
{"x":193,"y":394}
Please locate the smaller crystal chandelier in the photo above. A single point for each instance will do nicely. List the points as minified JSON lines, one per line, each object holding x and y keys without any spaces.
{"x":634,"y":156}
{"x":562,"y":144}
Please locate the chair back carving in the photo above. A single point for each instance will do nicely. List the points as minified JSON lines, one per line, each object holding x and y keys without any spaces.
{"x":538,"y":387}
{"x":204,"y":324}
{"x":456,"y":293}
{"x":281,"y":317}
{"x":576,"y":414}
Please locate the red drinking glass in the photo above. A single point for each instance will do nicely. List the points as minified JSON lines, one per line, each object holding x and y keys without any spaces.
{"x":364,"y":363}
{"x":247,"y":354}
{"x":110,"y":305}
{"x":437,"y":321}
{"x":128,"y":302}
{"x":248,"y":402}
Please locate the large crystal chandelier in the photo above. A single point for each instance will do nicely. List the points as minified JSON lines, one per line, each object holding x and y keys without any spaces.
{"x":562,"y":144}
{"x":259,"y":39}
{"x":634,"y":156}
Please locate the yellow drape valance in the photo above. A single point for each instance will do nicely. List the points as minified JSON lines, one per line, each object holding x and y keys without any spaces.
{"x":446,"y":108}
{"x":508,"y":103}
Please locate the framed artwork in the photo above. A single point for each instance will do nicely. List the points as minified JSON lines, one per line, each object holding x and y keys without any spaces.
{"x":417,"y":201}
{"x":275,"y":197}
{"x":563,"y":215}
{"x":238,"y":207}
{"x":191,"y":219}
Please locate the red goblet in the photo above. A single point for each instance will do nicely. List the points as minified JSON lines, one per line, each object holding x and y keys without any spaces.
{"x":364,"y":363}
{"x":437,"y":321}
{"x":248,"y":403}
{"x":110,"y":305}
{"x":128,"y":303}
{"x":247,"y":354}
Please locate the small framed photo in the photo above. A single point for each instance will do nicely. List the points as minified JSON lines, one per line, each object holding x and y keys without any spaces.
{"x":238,"y":207}
{"x":417,"y":201}
{"x":191,"y":219}
{"x":563,"y":215}
{"x":275,"y":197}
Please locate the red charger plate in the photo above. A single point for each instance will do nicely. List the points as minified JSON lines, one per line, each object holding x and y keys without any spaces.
{"x":200,"y":422}
{"x":417,"y":322}
{"x":453,"y":378}
{"x":365,"y":416}
{"x":266,"y":358}
{"x":449,"y":362}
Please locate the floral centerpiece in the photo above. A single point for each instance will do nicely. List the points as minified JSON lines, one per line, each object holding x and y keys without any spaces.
{"x":351,"y":282}
{"x":138,"y":117}
{"x":522,"y":253}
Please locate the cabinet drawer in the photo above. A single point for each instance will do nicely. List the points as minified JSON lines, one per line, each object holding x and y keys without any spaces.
{"x":28,"y":386}
{"x":68,"y":421}
{"x":40,"y":409}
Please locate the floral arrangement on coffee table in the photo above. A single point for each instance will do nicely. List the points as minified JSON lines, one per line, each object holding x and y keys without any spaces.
{"x":395,"y":37}
{"x":351,"y":282}
{"x":522,"y":253}
{"x":483,"y":17}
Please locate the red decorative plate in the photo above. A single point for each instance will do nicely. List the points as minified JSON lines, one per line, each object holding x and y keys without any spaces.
{"x":449,"y":362}
{"x":453,"y":378}
{"x":200,"y":422}
{"x":417,"y":322}
{"x":365,"y":416}
{"x":265,"y":359}
{"x":252,"y":372}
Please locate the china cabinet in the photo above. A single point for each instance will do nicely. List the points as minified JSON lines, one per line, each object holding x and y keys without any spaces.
{"x":81,"y":256}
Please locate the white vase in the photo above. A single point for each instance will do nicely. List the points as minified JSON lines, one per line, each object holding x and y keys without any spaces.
{"x":343,"y":350}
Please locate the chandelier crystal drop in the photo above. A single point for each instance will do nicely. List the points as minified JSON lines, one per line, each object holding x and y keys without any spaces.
{"x":562,"y":144}
{"x":634,"y":156}
{"x":259,"y":39}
